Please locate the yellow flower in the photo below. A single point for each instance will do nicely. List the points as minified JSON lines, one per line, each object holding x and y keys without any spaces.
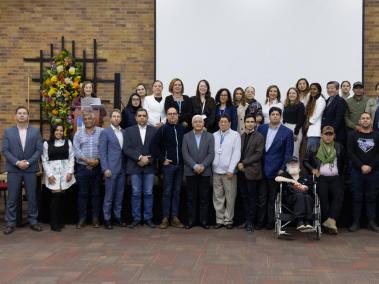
{"x":47,"y":82}
{"x":52,"y":91}
{"x":71,"y":70}
{"x":77,"y":79}
{"x":54,"y":79}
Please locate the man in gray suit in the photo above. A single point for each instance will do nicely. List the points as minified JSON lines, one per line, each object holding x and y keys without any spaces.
{"x":112,"y":162}
{"x":22,"y":148}
{"x":198,"y":154}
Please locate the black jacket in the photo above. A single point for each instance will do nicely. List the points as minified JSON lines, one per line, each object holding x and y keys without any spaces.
{"x":310,"y":161}
{"x":334,"y":115}
{"x":209,"y":110}
{"x":185,"y":111}
{"x":128,"y":117}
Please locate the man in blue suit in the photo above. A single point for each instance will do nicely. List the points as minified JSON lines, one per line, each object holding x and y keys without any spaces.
{"x":112,"y":162}
{"x":138,"y":140}
{"x":22,"y":148}
{"x":278,"y":148}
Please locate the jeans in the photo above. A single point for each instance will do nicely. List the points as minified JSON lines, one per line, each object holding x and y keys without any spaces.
{"x":364,"y":187}
{"x":89,"y":184}
{"x":172,"y":181}
{"x":114,"y":194}
{"x":142,"y":183}
{"x":14,"y":189}
{"x":312,"y":141}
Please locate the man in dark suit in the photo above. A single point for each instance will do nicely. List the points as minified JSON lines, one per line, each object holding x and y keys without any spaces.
{"x":198,"y":154}
{"x":140,"y":166}
{"x":334,"y":112}
{"x":250,"y":169}
{"x":22,"y":148}
{"x":278,"y":148}
{"x":113,"y":164}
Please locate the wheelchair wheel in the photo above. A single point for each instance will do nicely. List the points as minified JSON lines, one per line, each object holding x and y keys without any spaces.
{"x":278,"y":227}
{"x":318,"y":232}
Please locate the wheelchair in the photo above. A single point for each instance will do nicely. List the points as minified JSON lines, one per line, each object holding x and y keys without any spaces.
{"x":284,"y":215}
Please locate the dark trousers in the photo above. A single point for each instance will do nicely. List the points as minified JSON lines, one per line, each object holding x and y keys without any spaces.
{"x":249,"y":194}
{"x":267,"y":192}
{"x":197,"y":187}
{"x":331,"y":195}
{"x":56,"y":219}
{"x":172,"y":182}
{"x":89,"y":184}
{"x":364,"y":187}
{"x":302,"y":205}
{"x":14,"y":190}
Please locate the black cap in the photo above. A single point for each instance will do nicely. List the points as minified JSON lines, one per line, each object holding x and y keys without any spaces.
{"x":292,"y":159}
{"x":358,"y":84}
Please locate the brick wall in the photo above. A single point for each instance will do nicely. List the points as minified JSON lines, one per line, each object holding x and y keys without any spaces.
{"x":124,"y":30}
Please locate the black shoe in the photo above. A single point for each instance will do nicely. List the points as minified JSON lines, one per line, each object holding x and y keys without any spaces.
{"x":36,"y":227}
{"x":134,"y":224}
{"x":249,"y":228}
{"x":242,"y":226}
{"x":55,"y":228}
{"x":119,"y":223}
{"x":188,"y":226}
{"x":372,"y":226}
{"x":218,"y":226}
{"x":204,"y":226}
{"x":108,"y":225}
{"x":95,"y":223}
{"x":81,"y":224}
{"x":354,"y":227}
{"x":229,"y":226}
{"x":8,"y":230}
{"x":150,"y":224}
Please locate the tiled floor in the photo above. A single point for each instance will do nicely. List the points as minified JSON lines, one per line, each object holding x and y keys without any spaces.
{"x":144,"y":255}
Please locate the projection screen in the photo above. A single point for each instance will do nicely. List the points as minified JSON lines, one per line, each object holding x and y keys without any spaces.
{"x":235,"y":43}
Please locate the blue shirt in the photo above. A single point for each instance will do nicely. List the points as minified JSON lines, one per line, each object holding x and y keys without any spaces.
{"x":198,"y":138}
{"x":271,"y":133}
{"x":87,"y":145}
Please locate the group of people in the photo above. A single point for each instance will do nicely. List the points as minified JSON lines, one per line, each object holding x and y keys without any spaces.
{"x":232,"y":142}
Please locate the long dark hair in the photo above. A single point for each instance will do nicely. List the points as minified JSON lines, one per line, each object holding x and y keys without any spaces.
{"x":208,"y":102}
{"x":52,"y":134}
{"x":129,"y":105}
{"x":311,"y":105}
{"x":268,"y":91}
{"x":93,"y":95}
{"x":229,"y":103}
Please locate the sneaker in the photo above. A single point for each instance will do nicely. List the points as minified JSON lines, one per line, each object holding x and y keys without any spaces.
{"x":372,"y":226}
{"x":300,"y":226}
{"x":175,"y":222}
{"x":164,"y":224}
{"x":308,"y":226}
{"x":330,"y":224}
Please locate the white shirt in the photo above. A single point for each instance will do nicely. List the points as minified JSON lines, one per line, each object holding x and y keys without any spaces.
{"x":329,"y":169}
{"x":227,"y":151}
{"x":142,"y":132}
{"x":266,"y":109}
{"x":119,"y":135}
{"x":155,"y":110}
{"x":22,"y":132}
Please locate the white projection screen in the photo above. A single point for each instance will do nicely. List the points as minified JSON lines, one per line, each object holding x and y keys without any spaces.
{"x":234,"y":43}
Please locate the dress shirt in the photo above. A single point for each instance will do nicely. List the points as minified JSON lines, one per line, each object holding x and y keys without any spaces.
{"x":87,"y":145}
{"x":119,"y":135}
{"x":271,"y":133}
{"x":22,"y":132}
{"x":142,"y":131}
{"x":198,"y":138}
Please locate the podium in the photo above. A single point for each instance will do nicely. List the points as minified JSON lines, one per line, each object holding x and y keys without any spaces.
{"x":98,"y":110}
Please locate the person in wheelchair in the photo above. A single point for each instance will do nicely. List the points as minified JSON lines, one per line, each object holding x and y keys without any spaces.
{"x":297,"y":193}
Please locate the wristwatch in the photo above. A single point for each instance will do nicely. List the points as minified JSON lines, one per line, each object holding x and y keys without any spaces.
{"x":27,"y":163}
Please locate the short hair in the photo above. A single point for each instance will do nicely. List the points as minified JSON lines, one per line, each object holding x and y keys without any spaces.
{"x":171,"y":108}
{"x":141,"y":110}
{"x":274,"y":108}
{"x":197,"y":116}
{"x":346,"y":82}
{"x":115,"y":110}
{"x":335,"y":83}
{"x":88,"y":113}
{"x":171,"y":86}
{"x":227,"y":116}
{"x":22,"y":107}
{"x":365,"y":112}
{"x":249,"y":115}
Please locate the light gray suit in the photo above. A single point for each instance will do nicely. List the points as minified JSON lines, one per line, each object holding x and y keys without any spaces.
{"x":198,"y":184}
{"x":13,"y":152}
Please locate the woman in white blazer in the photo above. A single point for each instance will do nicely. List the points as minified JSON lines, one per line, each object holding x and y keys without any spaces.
{"x":154,"y":106}
{"x":272,"y":100}
{"x":313,"y":112}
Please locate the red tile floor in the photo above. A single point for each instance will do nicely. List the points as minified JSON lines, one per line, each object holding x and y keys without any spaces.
{"x":144,"y":255}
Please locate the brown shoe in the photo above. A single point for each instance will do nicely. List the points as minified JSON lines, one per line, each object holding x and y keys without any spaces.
{"x":95,"y":223}
{"x":175,"y":222}
{"x":164,"y":224}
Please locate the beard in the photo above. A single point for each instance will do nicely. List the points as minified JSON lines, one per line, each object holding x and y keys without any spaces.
{"x":293,"y":170}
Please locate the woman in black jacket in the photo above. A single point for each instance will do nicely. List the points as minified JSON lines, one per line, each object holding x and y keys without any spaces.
{"x":129,"y":112}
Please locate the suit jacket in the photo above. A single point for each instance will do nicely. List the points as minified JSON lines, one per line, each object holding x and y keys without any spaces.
{"x":253,"y":155}
{"x":133,"y":149}
{"x":192,"y":155}
{"x":111,"y":155}
{"x":275,"y":158}
{"x":334,"y":115}
{"x":12,"y":149}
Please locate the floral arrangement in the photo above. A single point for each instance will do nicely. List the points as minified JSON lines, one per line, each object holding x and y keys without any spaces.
{"x":61,"y":85}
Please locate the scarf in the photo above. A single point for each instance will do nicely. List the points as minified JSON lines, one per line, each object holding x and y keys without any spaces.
{"x":325,"y":156}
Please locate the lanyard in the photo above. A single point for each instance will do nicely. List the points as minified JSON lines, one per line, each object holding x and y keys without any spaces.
{"x":202,"y":107}
{"x":180,"y":106}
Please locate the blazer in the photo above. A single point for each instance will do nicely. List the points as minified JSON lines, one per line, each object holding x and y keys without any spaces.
{"x":192,"y":155}
{"x":314,"y":121}
{"x":232,"y":112}
{"x":334,"y":115}
{"x":253,"y":155}
{"x":133,"y":149}
{"x":275,"y":158}
{"x":185,"y":113}
{"x":12,"y":149}
{"x":111,"y":155}
{"x":209,"y":110}
{"x":128,"y":117}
